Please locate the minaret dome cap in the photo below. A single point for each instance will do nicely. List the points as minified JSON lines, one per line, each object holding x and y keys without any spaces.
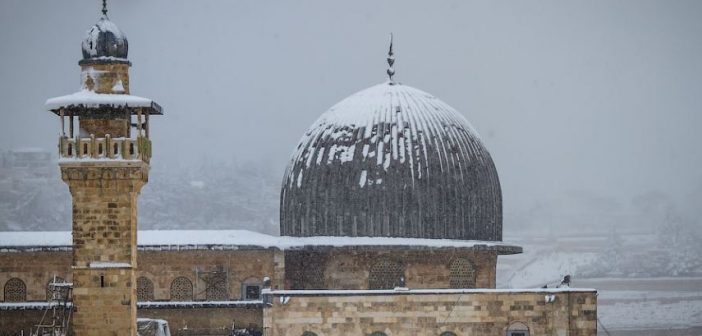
{"x":105,"y":41}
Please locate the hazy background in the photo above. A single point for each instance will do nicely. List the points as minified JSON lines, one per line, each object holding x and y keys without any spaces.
{"x":587,"y":107}
{"x":590,"y":109}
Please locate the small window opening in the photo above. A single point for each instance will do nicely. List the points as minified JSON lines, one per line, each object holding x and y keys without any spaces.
{"x":252,"y":292}
{"x":100,"y":149}
{"x":102,"y":281}
{"x":131,"y":149}
{"x":85,"y":148}
{"x":70,"y":149}
{"x":116,"y":149}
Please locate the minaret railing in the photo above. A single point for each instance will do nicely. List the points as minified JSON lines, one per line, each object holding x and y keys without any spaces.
{"x":106,"y":148}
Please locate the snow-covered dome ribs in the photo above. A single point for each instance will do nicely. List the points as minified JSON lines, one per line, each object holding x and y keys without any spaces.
{"x":105,"y":40}
{"x":392,"y":161}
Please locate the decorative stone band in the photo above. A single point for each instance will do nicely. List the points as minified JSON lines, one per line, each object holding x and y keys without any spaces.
{"x":79,"y":172}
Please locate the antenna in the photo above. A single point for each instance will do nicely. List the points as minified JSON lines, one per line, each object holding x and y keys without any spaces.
{"x":391,"y":61}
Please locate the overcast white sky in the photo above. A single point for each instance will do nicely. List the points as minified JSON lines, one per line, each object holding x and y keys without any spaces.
{"x":595,"y":96}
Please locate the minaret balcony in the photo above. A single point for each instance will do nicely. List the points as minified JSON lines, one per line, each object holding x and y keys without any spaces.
{"x":94,"y":149}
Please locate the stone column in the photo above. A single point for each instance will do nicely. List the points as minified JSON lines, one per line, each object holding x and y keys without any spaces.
{"x":104,"y":198}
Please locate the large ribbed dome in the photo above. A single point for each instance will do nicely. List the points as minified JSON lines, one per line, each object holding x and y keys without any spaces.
{"x":391,"y":161}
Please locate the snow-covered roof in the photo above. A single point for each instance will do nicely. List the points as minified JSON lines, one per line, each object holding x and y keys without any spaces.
{"x":392,"y":160}
{"x":105,"y":39}
{"x":41,"y":305}
{"x":200,"y":304}
{"x":349,"y":292}
{"x":241,"y":239}
{"x":90,"y":99}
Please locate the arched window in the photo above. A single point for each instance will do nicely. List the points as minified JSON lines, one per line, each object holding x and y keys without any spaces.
{"x":145,"y":289}
{"x":216,"y":289}
{"x":518,"y":329}
{"x":251,"y":289}
{"x":181,"y":289}
{"x":462,"y":274}
{"x":385,"y":274}
{"x":305,"y":269}
{"x":56,"y":293}
{"x":447,"y":333}
{"x":15,"y":290}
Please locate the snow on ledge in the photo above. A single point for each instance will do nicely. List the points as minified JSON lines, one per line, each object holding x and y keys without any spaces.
{"x":109,"y":264}
{"x":42,"y":305}
{"x":88,"y":98}
{"x":198,"y":304}
{"x":239,"y":239}
{"x":402,"y":291}
{"x":37,"y":305}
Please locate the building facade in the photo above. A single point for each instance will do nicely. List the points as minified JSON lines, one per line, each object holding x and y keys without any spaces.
{"x":390,"y":216}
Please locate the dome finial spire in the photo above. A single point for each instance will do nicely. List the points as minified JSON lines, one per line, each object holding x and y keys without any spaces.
{"x":391,"y":61}
{"x":104,"y":7}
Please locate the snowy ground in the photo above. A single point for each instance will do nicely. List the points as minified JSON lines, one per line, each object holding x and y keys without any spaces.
{"x":626,"y":306}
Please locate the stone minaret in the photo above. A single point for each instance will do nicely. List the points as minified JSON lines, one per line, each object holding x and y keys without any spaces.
{"x":104,"y":159}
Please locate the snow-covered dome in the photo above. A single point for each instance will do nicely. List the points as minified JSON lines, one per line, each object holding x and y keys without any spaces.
{"x":105,"y":40}
{"x":392,"y":161}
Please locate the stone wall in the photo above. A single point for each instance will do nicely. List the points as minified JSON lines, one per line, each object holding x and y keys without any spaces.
{"x":36,"y":268}
{"x":350,"y":268}
{"x":480,"y":312}
{"x":207,"y":321}
{"x":182,"y":321}
{"x":240,"y":266}
{"x":104,"y":302}
{"x":16,"y":322}
{"x":339,"y":269}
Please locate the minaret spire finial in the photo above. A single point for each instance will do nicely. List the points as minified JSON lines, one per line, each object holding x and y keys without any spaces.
{"x":391,"y":61}
{"x":104,"y":7}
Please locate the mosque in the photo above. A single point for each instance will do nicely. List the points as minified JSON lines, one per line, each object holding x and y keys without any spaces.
{"x":390,"y":222}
